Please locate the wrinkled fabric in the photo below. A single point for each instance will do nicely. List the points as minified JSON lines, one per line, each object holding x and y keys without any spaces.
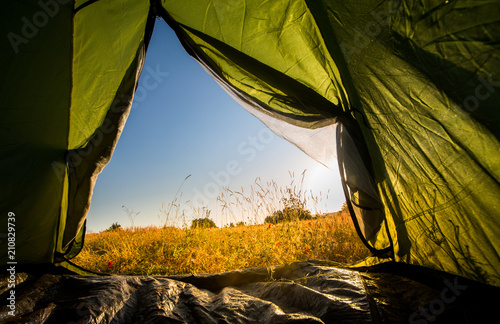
{"x":414,"y":86}
{"x":302,"y":292}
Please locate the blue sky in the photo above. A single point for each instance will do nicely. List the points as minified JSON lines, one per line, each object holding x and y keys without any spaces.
{"x":183,"y":123}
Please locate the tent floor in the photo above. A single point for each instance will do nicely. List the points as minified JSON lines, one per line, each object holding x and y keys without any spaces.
{"x":301,"y":292}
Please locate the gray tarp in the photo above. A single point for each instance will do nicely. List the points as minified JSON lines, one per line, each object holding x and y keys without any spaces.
{"x":302,"y":292}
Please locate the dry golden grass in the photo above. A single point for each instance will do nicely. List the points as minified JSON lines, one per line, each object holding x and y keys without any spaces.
{"x":173,"y":251}
{"x":175,"y":248}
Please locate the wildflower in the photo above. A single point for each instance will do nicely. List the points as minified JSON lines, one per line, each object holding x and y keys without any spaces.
{"x":307,"y":249}
{"x":277,"y":243}
{"x":269,"y":227}
{"x":110,"y":263}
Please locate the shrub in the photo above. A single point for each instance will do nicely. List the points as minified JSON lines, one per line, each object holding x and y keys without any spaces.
{"x":203,"y":223}
{"x":295,"y":209}
{"x":288,"y":214}
{"x":113,"y":227}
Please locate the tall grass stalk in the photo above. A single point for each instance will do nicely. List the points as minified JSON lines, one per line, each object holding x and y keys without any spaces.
{"x":175,"y":248}
{"x":172,"y":251}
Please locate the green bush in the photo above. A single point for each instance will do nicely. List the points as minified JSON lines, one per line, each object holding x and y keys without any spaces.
{"x":203,"y":223}
{"x":114,"y":226}
{"x":288,"y":214}
{"x":295,"y":209}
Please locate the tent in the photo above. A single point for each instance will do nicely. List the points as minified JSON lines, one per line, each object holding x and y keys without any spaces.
{"x":404,"y":94}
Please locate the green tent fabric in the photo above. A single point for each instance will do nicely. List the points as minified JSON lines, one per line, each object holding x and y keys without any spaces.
{"x":66,"y":92}
{"x":414,"y":90}
{"x":410,"y":89}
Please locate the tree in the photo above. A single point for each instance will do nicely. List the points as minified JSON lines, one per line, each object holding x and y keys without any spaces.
{"x":113,"y":227}
{"x":240,"y":223}
{"x":288,"y":214}
{"x":203,"y":223}
{"x":295,"y":209}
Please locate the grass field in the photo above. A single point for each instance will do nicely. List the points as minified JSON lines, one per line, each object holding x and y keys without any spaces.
{"x":172,"y":251}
